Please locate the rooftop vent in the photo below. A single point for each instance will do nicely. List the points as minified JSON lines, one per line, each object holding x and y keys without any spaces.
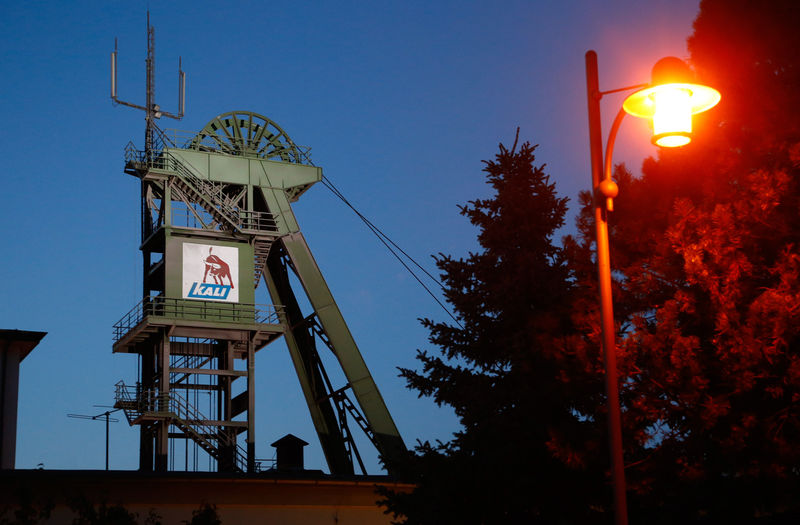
{"x":289,"y":452}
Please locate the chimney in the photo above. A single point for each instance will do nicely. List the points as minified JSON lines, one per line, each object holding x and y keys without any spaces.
{"x":289,"y":452}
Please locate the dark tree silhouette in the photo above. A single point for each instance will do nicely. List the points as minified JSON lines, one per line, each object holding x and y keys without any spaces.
{"x":29,"y":510}
{"x":519,"y":374}
{"x":205,"y":515}
{"x":87,"y":513}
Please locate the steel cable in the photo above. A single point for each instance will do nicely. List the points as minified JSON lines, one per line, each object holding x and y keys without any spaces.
{"x":392,"y":246}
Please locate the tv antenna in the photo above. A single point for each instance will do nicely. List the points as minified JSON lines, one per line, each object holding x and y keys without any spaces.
{"x":152,"y":110}
{"x":104,"y":416}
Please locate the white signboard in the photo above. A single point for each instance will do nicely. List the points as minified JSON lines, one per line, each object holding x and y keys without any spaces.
{"x":210,"y":272}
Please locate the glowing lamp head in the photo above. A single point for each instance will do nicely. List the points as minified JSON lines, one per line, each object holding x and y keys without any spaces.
{"x":670,"y":102}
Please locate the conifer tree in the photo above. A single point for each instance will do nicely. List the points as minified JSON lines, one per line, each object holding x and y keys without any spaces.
{"x":517,"y":372}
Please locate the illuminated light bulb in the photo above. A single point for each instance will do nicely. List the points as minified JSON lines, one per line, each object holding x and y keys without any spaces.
{"x":671,"y":141}
{"x":672,"y":117}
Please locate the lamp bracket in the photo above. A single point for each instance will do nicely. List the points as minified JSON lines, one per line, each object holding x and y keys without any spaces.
{"x":626,"y":88}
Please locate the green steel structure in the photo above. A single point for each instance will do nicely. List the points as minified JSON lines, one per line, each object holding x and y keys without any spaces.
{"x":217,"y":223}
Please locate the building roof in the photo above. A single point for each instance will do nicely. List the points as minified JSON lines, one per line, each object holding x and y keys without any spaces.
{"x":21,"y":341}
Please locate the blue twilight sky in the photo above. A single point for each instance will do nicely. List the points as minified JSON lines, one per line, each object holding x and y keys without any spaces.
{"x":400,"y":102}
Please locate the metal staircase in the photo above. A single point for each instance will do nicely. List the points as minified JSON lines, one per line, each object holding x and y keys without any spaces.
{"x":139,"y":405}
{"x":210,"y":195}
{"x":186,"y":361}
{"x":261,"y":251}
{"x":192,"y":188}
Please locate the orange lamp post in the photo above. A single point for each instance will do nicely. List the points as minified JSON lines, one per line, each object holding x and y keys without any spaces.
{"x":669,"y":101}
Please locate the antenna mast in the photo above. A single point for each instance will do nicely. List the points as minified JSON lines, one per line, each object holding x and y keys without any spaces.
{"x":151,"y":109}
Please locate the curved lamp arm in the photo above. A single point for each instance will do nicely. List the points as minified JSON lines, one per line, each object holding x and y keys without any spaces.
{"x":607,"y":187}
{"x":612,"y":135}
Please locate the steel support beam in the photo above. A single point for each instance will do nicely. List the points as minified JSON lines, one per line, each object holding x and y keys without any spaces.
{"x":365,"y":391}
{"x":302,"y":349}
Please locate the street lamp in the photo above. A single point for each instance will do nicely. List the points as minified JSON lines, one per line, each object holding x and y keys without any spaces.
{"x":669,"y":101}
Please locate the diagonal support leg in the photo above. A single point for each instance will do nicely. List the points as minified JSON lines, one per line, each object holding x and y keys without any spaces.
{"x":390,"y":444}
{"x":302,"y":349}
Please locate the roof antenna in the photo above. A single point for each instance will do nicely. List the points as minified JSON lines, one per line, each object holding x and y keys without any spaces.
{"x":151,"y":109}
{"x":99,"y":417}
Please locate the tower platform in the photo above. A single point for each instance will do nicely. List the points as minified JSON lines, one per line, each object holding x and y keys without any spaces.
{"x":190,"y":318}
